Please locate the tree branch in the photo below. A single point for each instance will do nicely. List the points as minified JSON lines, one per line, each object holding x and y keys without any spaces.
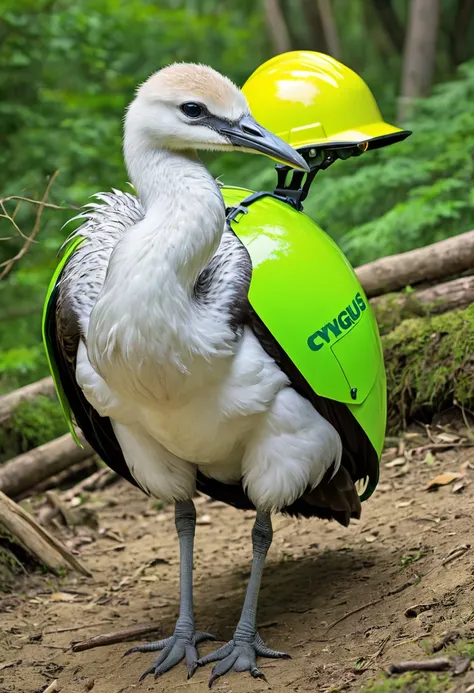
{"x":8,"y":264}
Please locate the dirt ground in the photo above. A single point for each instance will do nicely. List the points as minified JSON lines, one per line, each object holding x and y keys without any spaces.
{"x":401,"y":577}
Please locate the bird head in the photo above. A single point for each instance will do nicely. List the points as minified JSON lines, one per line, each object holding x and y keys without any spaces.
{"x":190,"y":107}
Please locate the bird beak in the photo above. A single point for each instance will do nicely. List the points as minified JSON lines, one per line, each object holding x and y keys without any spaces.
{"x":247,"y":133}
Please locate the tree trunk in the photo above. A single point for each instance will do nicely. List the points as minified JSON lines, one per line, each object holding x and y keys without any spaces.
{"x":31,"y":536}
{"x":315,"y":30}
{"x":277,"y":26}
{"x":460,"y":32}
{"x":9,"y":402}
{"x":419,"y":55}
{"x":390,"y":22}
{"x":329,"y":28}
{"x":27,"y":470}
{"x":437,"y":261}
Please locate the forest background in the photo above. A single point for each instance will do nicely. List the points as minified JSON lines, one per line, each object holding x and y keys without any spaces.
{"x":67,"y":71}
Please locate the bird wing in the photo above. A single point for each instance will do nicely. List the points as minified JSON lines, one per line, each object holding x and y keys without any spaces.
{"x":336,"y":496}
{"x":71,"y":295}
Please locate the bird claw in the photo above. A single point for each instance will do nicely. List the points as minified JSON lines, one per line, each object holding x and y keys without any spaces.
{"x":172,"y":651}
{"x":238,"y":655}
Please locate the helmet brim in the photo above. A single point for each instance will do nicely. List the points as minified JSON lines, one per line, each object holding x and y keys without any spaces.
{"x":376,"y":135}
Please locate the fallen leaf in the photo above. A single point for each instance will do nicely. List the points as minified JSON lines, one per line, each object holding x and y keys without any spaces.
{"x":447,"y":438}
{"x":7,"y":665}
{"x":443,"y":480}
{"x":204,"y":520}
{"x":62,"y":597}
{"x":404,"y":504}
{"x":397,"y":462}
{"x":458,"y":486}
{"x":389,"y":452}
{"x":430,"y":458}
{"x":370,"y":538}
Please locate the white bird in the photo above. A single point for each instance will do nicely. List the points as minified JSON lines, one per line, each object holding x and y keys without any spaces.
{"x":171,"y":376}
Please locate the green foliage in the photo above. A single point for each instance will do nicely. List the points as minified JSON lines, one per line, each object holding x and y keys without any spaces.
{"x":32,"y":423}
{"x":21,"y":365}
{"x":412,"y":193}
{"x":410,"y":683}
{"x":429,"y":365}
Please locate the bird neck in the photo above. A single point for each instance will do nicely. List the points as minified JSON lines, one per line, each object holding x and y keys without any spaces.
{"x":184,"y":209}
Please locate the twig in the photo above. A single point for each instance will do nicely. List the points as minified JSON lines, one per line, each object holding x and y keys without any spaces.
{"x":376,"y":655}
{"x":12,"y":221}
{"x":391,"y":593}
{"x":56,"y":503}
{"x":91,"y":482}
{"x":456,"y":553}
{"x":452,"y":556}
{"x":449,"y":638}
{"x":33,"y":202}
{"x":426,"y":665}
{"x":8,"y":264}
{"x":437,"y":447}
{"x":411,"y":640}
{"x":109,"y":549}
{"x":115,"y":637}
{"x":354,"y":611}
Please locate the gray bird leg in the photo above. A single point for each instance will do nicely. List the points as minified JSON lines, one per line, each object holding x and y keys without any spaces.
{"x":240,"y":654}
{"x":182,"y":644}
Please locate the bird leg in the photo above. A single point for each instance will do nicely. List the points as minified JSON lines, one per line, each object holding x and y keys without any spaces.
{"x":182,"y":644}
{"x":240,"y":654}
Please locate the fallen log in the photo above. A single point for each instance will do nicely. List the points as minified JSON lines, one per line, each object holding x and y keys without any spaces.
{"x":9,"y":402}
{"x":71,"y":475}
{"x":391,"y":309}
{"x":436,"y":261}
{"x":27,"y":470}
{"x":23,"y":528}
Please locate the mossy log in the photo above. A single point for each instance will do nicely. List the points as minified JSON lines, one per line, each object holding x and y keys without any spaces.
{"x":8,"y":403}
{"x":32,"y":422}
{"x":391,"y":309}
{"x":430,"y":365}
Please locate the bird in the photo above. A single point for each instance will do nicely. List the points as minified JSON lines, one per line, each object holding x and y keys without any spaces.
{"x":172,"y":377}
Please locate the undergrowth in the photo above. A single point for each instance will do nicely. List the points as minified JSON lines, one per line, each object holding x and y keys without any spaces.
{"x":410,"y":683}
{"x":430,"y":365}
{"x":31,"y":424}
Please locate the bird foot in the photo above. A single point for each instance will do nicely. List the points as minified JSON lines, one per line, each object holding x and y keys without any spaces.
{"x":239,"y":655}
{"x":173,"y":650}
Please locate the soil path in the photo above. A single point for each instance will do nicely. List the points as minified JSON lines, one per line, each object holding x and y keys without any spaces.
{"x":317,"y":572}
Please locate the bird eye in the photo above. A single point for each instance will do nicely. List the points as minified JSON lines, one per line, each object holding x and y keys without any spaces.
{"x":192,"y":110}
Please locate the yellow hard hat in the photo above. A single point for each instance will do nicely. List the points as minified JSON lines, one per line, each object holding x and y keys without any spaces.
{"x":312,"y":100}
